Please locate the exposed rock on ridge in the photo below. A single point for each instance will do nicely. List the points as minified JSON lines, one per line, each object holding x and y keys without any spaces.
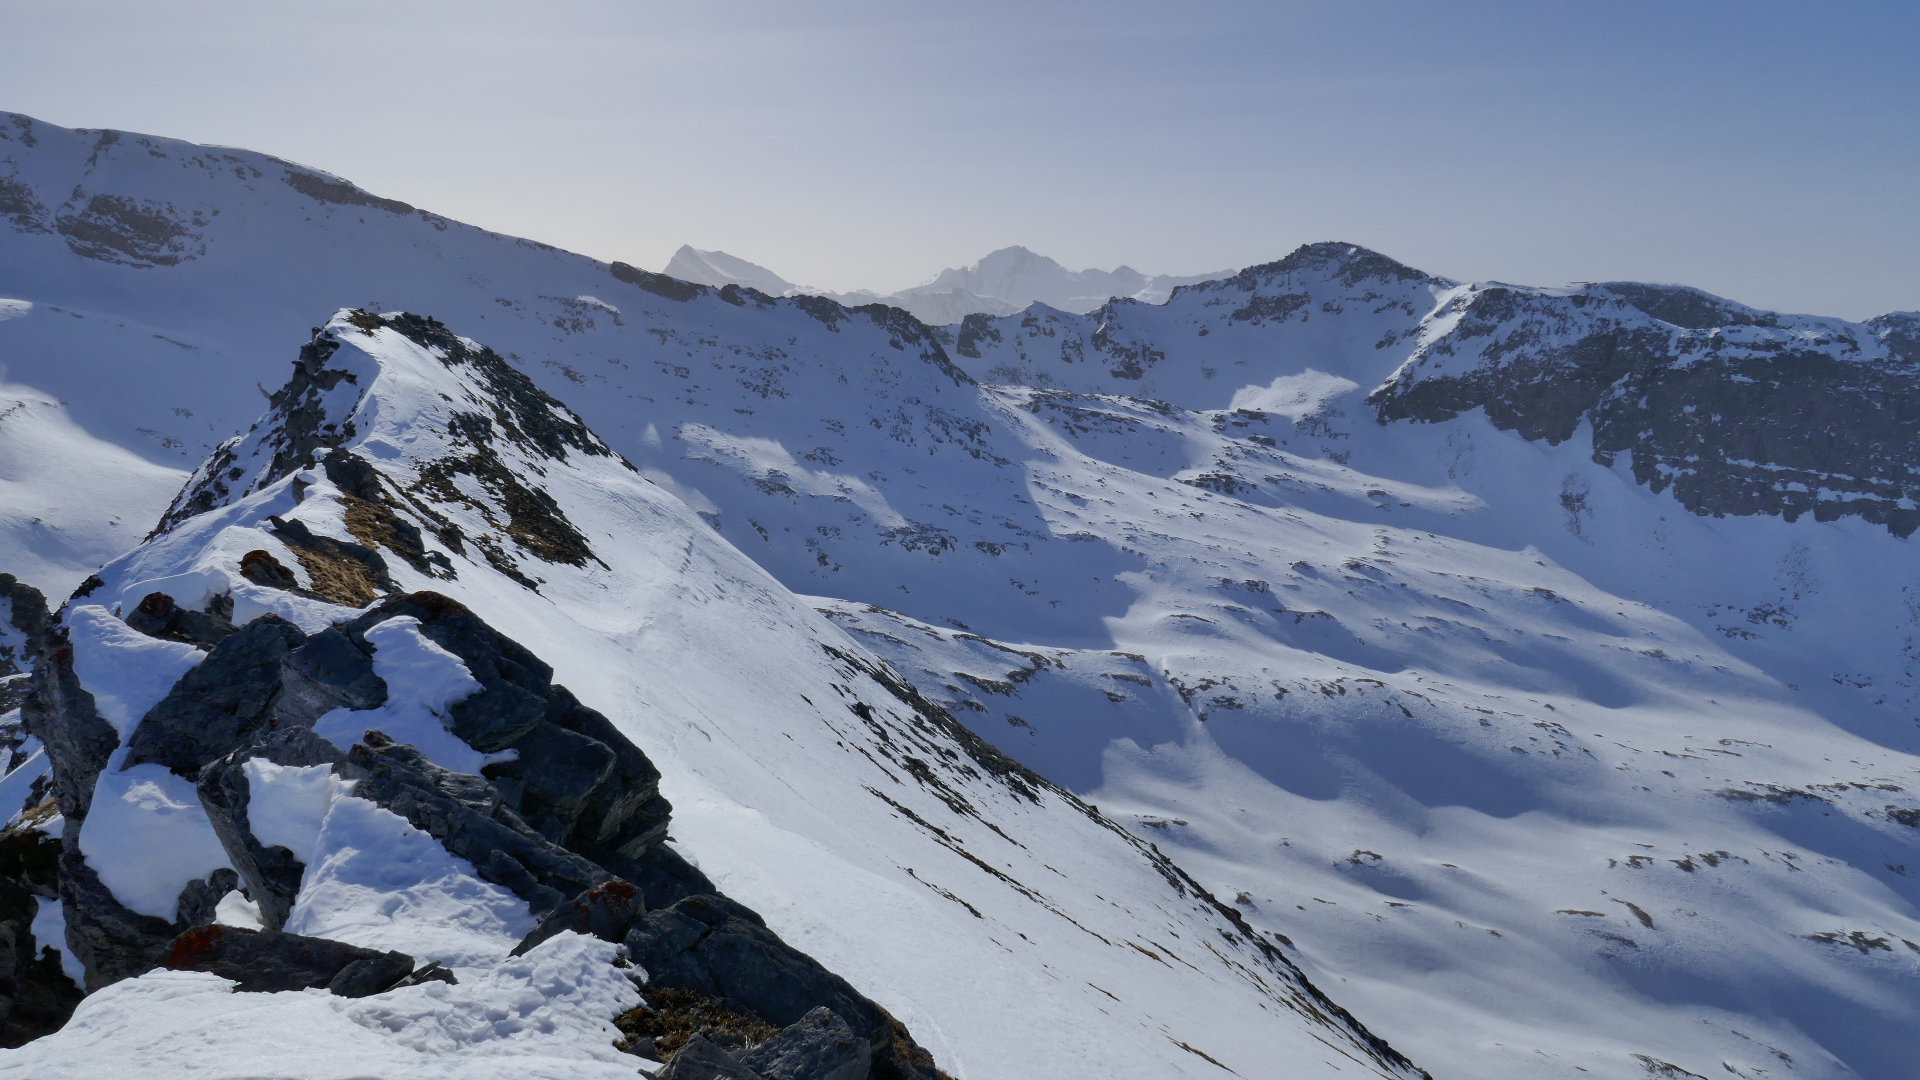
{"x":1737,"y":411}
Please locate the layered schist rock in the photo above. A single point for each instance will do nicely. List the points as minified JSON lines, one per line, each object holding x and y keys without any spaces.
{"x":290,"y":748}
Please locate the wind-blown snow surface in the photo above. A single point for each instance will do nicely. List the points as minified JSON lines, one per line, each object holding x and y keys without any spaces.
{"x":1544,"y":773}
{"x":1014,"y":930}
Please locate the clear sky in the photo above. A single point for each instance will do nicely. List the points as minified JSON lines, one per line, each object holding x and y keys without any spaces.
{"x":1765,"y":151}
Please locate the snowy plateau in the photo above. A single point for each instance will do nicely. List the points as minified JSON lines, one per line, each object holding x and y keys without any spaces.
{"x":433,"y":653}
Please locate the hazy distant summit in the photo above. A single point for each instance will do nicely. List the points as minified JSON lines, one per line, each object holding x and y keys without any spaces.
{"x":1008,"y":280}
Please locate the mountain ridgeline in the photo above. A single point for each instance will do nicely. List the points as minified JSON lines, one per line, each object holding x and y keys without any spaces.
{"x":1328,"y":667}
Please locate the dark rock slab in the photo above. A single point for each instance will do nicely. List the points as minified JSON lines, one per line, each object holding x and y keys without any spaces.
{"x":157,"y":615}
{"x":819,"y":1046}
{"x":219,"y":704}
{"x":267,"y":677}
{"x":576,"y":779}
{"x":265,"y":961}
{"x":605,"y":911}
{"x":719,"y":948}
{"x":700,"y":1059}
{"x":272,"y":874}
{"x":467,"y":815}
{"x":36,"y":997}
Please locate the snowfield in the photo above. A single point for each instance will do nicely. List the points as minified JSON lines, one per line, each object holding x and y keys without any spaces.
{"x":1534,"y":669}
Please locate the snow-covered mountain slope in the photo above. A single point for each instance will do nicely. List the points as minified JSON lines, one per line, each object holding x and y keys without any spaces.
{"x":1021,"y":278}
{"x":1010,"y":927}
{"x":1005,"y":282}
{"x":719,"y":269}
{"x":1344,"y":607}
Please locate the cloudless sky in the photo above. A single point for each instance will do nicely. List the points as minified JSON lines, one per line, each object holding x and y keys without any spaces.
{"x":1765,"y":151}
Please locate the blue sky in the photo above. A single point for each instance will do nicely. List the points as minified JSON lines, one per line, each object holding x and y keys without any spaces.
{"x":1765,"y":151}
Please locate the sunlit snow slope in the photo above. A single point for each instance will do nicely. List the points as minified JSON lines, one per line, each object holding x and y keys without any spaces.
{"x":1539,"y":662}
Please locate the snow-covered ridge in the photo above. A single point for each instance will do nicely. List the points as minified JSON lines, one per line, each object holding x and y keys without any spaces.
{"x":1320,"y":661}
{"x":1005,"y":281}
{"x":861,"y":825}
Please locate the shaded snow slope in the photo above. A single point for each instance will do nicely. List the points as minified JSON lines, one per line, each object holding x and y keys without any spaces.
{"x":1011,"y":927}
{"x":1197,"y":507}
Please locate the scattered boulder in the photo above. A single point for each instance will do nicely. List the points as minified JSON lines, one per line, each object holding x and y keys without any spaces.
{"x":264,"y":961}
{"x":819,"y":1046}
{"x":159,"y":616}
{"x":260,"y":567}
{"x":220,"y":703}
{"x":575,"y":779}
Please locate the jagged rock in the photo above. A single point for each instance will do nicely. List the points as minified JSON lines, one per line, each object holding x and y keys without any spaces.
{"x":220,"y":703}
{"x":272,"y":874}
{"x":61,"y":714}
{"x":699,"y":1059}
{"x":110,"y":940}
{"x":576,"y":780}
{"x":159,"y":616}
{"x":466,"y":814}
{"x":819,"y":1046}
{"x":716,"y":947}
{"x":36,"y":997}
{"x":266,"y":677}
{"x":264,"y":961}
{"x":605,"y":911}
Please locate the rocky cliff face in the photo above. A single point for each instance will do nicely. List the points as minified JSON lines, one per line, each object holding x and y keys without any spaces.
{"x":1737,"y":411}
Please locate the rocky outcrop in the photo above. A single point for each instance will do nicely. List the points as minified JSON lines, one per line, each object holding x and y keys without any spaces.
{"x":572,"y":825}
{"x":1736,"y":411}
{"x":818,"y":1046}
{"x":36,"y":996}
{"x":719,"y":949}
{"x":265,"y":961}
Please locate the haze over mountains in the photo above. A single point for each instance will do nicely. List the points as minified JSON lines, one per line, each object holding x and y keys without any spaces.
{"x":1008,"y":280}
{"x":1335,"y":668}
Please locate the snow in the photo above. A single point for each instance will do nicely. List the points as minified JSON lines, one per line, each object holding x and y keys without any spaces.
{"x":1394,"y":685}
{"x":69,"y":500}
{"x":287,"y":804}
{"x":147,"y":836}
{"x":29,"y":764}
{"x":49,"y":930}
{"x":126,"y":671}
{"x":234,"y":909}
{"x":423,"y":681}
{"x":1005,"y":282}
{"x":543,"y":1016}
{"x":374,"y":880}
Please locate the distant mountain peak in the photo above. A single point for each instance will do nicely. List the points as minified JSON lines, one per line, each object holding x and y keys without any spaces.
{"x":1002,"y":282}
